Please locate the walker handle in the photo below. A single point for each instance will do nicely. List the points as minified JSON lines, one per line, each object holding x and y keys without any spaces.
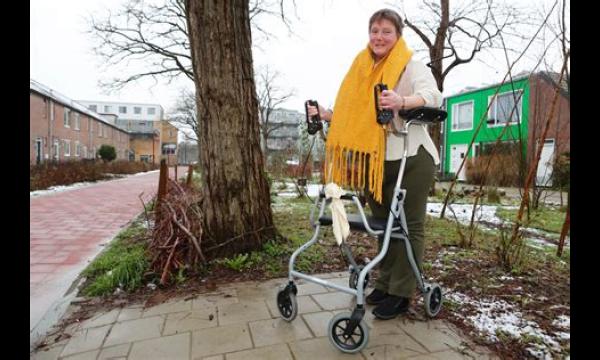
{"x":383,"y":115}
{"x":313,"y":122}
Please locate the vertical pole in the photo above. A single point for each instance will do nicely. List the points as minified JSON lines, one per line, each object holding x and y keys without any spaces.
{"x":189,"y":175}
{"x":162,"y":180}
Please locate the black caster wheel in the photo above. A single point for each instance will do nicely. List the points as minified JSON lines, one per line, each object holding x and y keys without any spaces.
{"x":433,"y":300}
{"x":353,"y":280}
{"x":286,"y":303}
{"x":352,"y":343}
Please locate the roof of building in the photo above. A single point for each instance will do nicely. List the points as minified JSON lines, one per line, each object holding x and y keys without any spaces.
{"x":131,"y":103}
{"x":66,"y":101}
{"x":551,"y":77}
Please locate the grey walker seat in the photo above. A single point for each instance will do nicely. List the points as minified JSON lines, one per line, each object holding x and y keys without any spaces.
{"x":347,"y":331}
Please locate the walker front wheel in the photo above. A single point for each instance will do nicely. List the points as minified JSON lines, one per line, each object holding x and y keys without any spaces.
{"x":348,"y":343}
{"x":433,"y":300}
{"x":287,"y":305}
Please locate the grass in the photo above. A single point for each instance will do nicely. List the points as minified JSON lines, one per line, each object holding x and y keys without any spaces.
{"x":547,"y":219}
{"x":122,"y":265}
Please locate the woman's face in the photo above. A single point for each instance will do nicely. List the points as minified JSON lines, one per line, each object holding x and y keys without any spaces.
{"x":382,"y":37}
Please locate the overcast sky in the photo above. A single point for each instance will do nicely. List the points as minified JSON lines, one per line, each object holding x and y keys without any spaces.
{"x":312,"y":61}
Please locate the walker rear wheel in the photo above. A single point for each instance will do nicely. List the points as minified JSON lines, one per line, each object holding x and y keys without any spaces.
{"x":433,"y":300}
{"x":352,"y":343}
{"x":286,"y":303}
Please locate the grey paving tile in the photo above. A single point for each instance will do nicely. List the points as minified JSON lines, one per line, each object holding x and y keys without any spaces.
{"x":48,"y":354}
{"x":335,"y":301}
{"x":104,"y":318}
{"x":190,"y":320}
{"x":318,"y":322}
{"x":276,"y":331}
{"x":88,"y":355}
{"x":134,"y":330}
{"x":175,"y":347}
{"x":219,"y":340}
{"x":243,"y":312}
{"x":131,"y":313}
{"x":114,"y":352}
{"x":309,"y":288}
{"x":168,"y":307}
{"x":272,"y":352}
{"x":305,"y":305}
{"x":85,"y":340}
{"x":318,"y":348}
{"x":427,"y":334}
{"x":222,"y":296}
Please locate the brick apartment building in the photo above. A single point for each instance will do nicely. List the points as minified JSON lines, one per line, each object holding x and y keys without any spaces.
{"x":62,"y":129}
{"x":152,"y":138}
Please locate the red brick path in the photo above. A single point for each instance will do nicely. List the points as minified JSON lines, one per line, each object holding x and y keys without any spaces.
{"x":67,"y":229}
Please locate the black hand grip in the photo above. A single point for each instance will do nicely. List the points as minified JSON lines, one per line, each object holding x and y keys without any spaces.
{"x":424,"y":114}
{"x":313,"y":122}
{"x":384,"y":116}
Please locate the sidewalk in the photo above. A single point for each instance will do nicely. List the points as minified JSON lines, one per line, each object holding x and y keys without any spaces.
{"x":241,"y":321}
{"x":67,"y":230}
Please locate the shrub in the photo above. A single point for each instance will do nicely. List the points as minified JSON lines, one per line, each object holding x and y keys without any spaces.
{"x":561,"y":172}
{"x":503,"y":170}
{"x":107,"y":152}
{"x":47,"y":174}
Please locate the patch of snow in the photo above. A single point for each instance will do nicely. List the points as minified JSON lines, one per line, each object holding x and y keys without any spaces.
{"x":463,"y":212}
{"x":497,"y":315}
{"x":563,"y":322}
{"x":504,"y":277}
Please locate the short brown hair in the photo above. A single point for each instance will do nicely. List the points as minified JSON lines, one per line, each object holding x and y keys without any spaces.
{"x":389,"y":15}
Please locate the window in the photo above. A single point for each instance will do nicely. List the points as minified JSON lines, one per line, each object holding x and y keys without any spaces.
{"x":99,"y":130}
{"x":502,"y":108}
{"x":122,"y":109}
{"x":462,"y":116}
{"x":85,"y":152}
{"x":77,"y":123}
{"x":169,"y":149}
{"x":145,"y":158}
{"x":56,"y":149}
{"x":93,"y":107}
{"x":66,"y":120}
{"x":77,"y":149}
{"x":137,"y":110}
{"x":151,"y":111}
{"x":67,"y":149}
{"x":107,"y":108}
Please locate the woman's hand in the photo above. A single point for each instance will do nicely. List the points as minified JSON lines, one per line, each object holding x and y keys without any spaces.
{"x":389,"y":100}
{"x":325,"y":114}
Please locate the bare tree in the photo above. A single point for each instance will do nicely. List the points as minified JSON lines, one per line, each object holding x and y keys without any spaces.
{"x":270,"y":97}
{"x":454,"y":35}
{"x":186,"y":114}
{"x":154,"y":34}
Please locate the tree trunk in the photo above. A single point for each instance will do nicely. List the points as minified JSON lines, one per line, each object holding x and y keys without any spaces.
{"x":236,"y":201}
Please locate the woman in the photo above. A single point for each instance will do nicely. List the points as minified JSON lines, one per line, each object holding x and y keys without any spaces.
{"x":375,"y":165}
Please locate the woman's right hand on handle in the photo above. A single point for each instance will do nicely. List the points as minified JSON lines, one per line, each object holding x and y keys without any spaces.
{"x":325,"y":114}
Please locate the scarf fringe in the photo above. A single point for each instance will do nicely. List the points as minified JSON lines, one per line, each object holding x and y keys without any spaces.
{"x":348,"y":168}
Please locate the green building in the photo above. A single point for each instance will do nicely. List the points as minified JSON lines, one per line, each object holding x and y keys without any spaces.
{"x":492,"y":109}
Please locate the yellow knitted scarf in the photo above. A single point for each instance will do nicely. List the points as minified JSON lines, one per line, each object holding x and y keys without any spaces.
{"x":354,"y":133}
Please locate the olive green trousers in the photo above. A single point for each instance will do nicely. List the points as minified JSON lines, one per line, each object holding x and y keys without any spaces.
{"x":396,"y":276}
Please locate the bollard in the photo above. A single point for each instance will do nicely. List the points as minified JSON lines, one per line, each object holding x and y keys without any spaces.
{"x":162,"y":181}
{"x":189,"y":176}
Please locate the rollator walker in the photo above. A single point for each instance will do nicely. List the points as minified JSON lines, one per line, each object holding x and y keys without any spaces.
{"x":347,"y":331}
